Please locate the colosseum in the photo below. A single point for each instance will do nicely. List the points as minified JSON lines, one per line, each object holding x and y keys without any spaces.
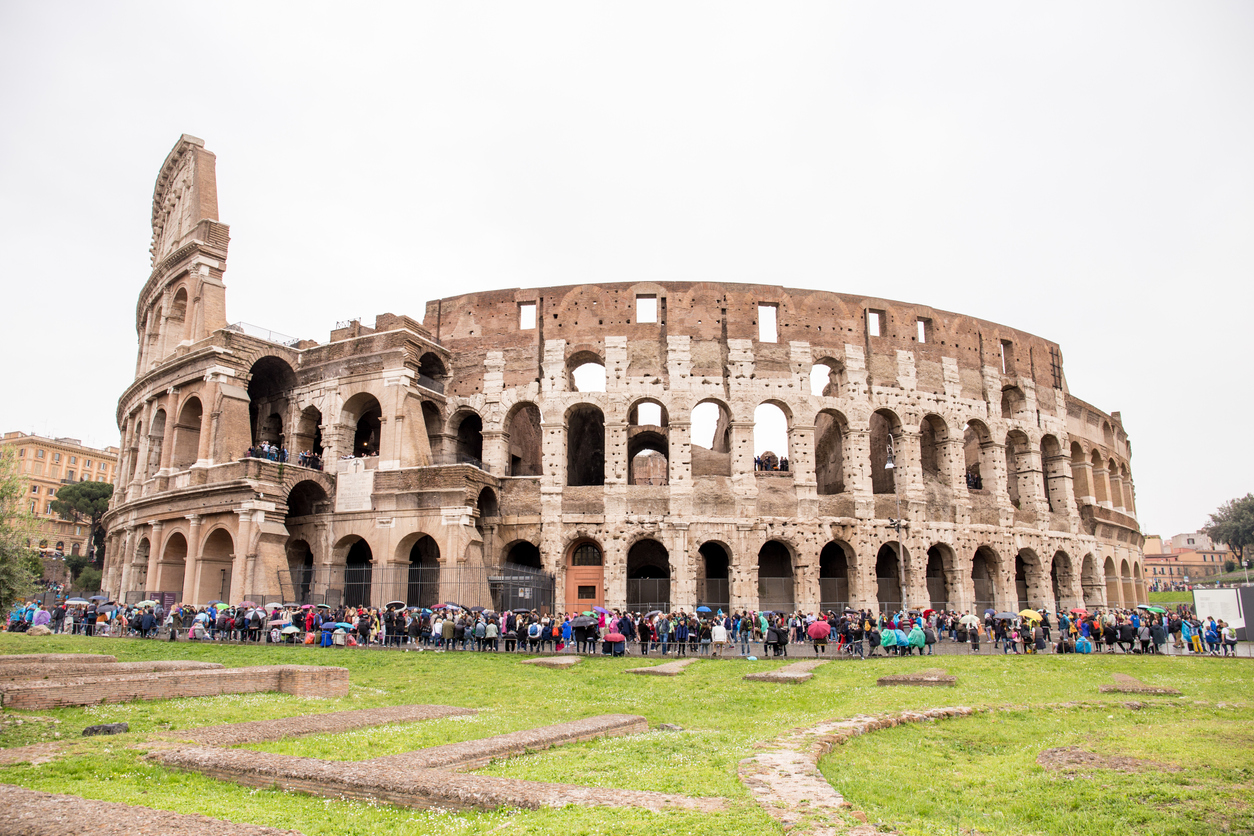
{"x":648,"y":445}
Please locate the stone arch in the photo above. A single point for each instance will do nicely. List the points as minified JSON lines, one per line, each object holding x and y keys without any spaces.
{"x":890,"y":576}
{"x":1138,"y":579}
{"x":585,"y":371}
{"x":941,"y":574}
{"x":714,"y":575}
{"x":432,"y":372}
{"x":270,"y":383}
{"x":1029,"y":580}
{"x":776,"y":579}
{"x":837,"y":564}
{"x":1101,"y":486}
{"x":772,"y":422}
{"x":1062,"y":581}
{"x":300,"y":569}
{"x":178,"y":321}
{"x":831,"y":429}
{"x":489,"y":507}
{"x":585,"y":446}
{"x":187,"y":434}
{"x":585,"y":574}
{"x":1091,"y":588}
{"x":523,"y":553}
{"x":363,"y":414}
{"x":985,"y":571}
{"x":642,"y":411}
{"x":711,"y":438}
{"x":308,"y":435}
{"x":172,"y":566}
{"x":1108,"y":434}
{"x":1112,"y":581}
{"x":358,"y":575}
{"x":466,"y":428}
{"x":526,"y":447}
{"x":827,"y":377}
{"x":978,"y":456}
{"x":648,"y":458}
{"x":422,"y":553}
{"x":885,"y":425}
{"x":156,"y":440}
{"x":433,"y":424}
{"x":305,"y":499}
{"x":648,"y":576}
{"x":217,"y":555}
{"x":933,"y":433}
{"x":1127,"y":583}
{"x":1012,"y":402}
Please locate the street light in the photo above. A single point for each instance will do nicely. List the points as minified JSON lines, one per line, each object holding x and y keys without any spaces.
{"x":896,"y":523}
{"x":1246,"y":564}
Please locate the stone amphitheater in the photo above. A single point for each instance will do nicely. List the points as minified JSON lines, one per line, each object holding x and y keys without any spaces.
{"x":645,"y":445}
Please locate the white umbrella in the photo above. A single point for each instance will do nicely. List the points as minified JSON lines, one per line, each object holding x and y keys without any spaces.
{"x":969,"y":620}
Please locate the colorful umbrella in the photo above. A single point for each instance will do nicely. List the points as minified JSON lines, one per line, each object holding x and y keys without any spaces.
{"x":1148,"y":608}
{"x":703,"y":609}
{"x":1079,"y":611}
{"x":247,"y":604}
{"x":149,"y":603}
{"x":1032,"y":614}
{"x":615,"y":637}
{"x":288,"y":630}
{"x":819,"y":630}
{"x":601,"y":610}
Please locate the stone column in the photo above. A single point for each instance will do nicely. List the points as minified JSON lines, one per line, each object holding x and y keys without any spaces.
{"x":191,"y":574}
{"x":744,"y":479}
{"x":683,"y":569}
{"x":167,"y":442}
{"x":908,"y":472}
{"x":156,"y":544}
{"x":857,"y":466}
{"x":496,"y":452}
{"x":995,"y":481}
{"x":1084,"y":470}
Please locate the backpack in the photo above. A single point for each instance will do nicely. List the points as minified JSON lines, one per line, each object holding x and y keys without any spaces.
{"x":534,"y":630}
{"x":557,"y":631}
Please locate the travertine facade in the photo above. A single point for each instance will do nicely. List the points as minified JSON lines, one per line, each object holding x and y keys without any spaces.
{"x":476,"y":448}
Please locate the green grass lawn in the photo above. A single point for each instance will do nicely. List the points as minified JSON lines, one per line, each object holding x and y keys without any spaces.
{"x":722,"y":717}
{"x":1162,"y":599}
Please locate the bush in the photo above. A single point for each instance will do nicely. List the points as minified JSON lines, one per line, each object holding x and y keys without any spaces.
{"x":89,"y":579}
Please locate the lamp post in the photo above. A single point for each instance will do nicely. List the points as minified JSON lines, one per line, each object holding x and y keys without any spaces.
{"x":896,"y":523}
{"x":1246,"y":564}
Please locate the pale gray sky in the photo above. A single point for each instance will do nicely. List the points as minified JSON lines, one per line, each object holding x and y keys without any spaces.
{"x":1082,"y":171}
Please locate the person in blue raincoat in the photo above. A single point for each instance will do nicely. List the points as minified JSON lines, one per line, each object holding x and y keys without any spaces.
{"x":903,"y":642}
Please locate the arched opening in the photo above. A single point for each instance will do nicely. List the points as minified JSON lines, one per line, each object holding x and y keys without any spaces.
{"x":585,"y":446}
{"x":775,"y":579}
{"x":524,"y":553}
{"x":827,"y":378}
{"x":308,"y":438}
{"x":884,"y":424}
{"x":156,"y":439}
{"x":1012,"y":402}
{"x":1139,"y":580}
{"x":364,"y":415}
{"x":1090,"y":582}
{"x":711,"y":439}
{"x":358,"y":574}
{"x":770,"y":437}
{"x":304,"y":500}
{"x":489,"y":509}
{"x":434,"y":426}
{"x":1108,"y":434}
{"x":172,"y":565}
{"x":585,"y":577}
{"x":187,"y":435}
{"x":713,"y":581}
{"x":469,"y":437}
{"x":648,"y":577}
{"x":1062,"y":581}
{"x":940,"y":569}
{"x":1053,"y":474}
{"x":648,"y":458}
{"x":977,"y":454}
{"x":985,"y":566}
{"x":300,"y":570}
{"x":888,"y":588}
{"x":932,"y":435}
{"x":1019,"y":477}
{"x":648,"y":413}
{"x":269,"y":386}
{"x":139,"y":565}
{"x":587,"y":372}
{"x":830,"y":428}
{"x":1129,"y":585}
{"x":431,"y":372}
{"x":217,"y":556}
{"x":835,"y":562}
{"x":423,"y":589}
{"x":1112,"y":582}
{"x":177,"y":321}
{"x":1028,"y":580}
{"x":525,"y":449}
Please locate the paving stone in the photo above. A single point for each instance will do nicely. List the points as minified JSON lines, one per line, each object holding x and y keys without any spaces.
{"x":473,"y":754}
{"x":928,"y":677}
{"x":794,"y":673}
{"x":553,"y":661}
{"x":1125,"y":684}
{"x":667,"y":669}
{"x":32,"y":813}
{"x":232,"y":734}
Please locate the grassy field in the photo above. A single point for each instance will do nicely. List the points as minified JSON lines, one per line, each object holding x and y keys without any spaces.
{"x":1162,"y":599}
{"x":722,"y":717}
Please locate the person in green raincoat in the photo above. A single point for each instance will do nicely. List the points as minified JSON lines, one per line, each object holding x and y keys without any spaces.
{"x":888,"y":641}
{"x":916,"y":639}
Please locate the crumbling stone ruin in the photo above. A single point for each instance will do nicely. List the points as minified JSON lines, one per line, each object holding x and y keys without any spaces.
{"x":646,"y":445}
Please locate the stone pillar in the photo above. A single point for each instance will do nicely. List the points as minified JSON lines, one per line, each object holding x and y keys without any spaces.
{"x":801,"y":464}
{"x":743,"y":572}
{"x":156,"y":544}
{"x":496,"y":452}
{"x":241,"y":566}
{"x":909,"y":465}
{"x":167,"y":443}
{"x":191,"y":574}
{"x":857,"y":465}
{"x":995,"y":481}
{"x":1058,"y":482}
{"x":615,"y":453}
{"x":1031,"y":495}
{"x":1082,"y":474}
{"x":743,"y":479}
{"x":204,"y":451}
{"x":683,"y":569}
{"x":1116,"y":490}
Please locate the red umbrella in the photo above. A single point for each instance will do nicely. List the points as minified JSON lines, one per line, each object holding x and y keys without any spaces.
{"x":615,"y":637}
{"x":1079,"y":611}
{"x":819,"y":630}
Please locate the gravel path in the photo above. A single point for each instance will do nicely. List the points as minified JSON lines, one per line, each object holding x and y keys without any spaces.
{"x":31,"y":813}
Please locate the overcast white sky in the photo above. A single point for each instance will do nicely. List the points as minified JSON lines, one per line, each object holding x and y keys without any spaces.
{"x":1082,"y":171}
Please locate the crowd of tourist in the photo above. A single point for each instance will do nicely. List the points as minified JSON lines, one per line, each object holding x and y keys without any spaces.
{"x":275,"y":453}
{"x":451,"y":627}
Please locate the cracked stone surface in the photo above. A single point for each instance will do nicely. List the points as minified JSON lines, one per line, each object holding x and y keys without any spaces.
{"x":256,"y":731}
{"x":553,"y":661}
{"x":32,"y":813}
{"x":666,"y":669}
{"x":795,"y":673}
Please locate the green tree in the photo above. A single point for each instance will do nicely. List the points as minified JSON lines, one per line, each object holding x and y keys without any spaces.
{"x":90,"y":579}
{"x":1233,"y":525}
{"x":76,"y":563}
{"x":19,"y":566}
{"x":84,"y":501}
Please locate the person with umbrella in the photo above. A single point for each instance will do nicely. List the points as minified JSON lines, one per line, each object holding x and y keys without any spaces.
{"x":818,"y":632}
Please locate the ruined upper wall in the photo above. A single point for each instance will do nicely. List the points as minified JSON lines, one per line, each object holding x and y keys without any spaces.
{"x":711,"y":314}
{"x":186,"y":193}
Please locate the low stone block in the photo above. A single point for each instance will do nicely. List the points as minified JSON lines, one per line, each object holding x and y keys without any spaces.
{"x":933,"y":677}
{"x":795,"y":673}
{"x":553,"y":661}
{"x":667,"y":669}
{"x":107,"y":728}
{"x":1125,"y":684}
{"x":256,"y":731}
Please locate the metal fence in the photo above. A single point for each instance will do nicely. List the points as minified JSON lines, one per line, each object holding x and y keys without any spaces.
{"x":648,"y":594}
{"x":499,"y":588}
{"x":776,"y":595}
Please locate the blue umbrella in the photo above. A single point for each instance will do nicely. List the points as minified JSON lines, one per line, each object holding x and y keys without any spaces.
{"x":214,"y":603}
{"x":344,"y":624}
{"x":703,"y":609}
{"x":1006,"y":615}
